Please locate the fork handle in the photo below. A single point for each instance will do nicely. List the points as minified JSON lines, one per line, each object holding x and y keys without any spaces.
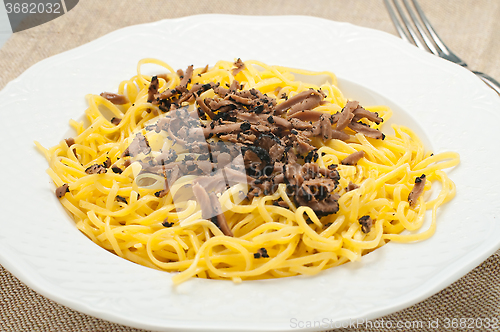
{"x":492,"y":83}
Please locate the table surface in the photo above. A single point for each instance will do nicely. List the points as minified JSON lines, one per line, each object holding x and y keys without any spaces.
{"x":471,"y":28}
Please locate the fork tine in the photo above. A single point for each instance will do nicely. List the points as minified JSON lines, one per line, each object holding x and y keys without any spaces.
{"x":428,"y":42}
{"x":439,"y":42}
{"x":434,"y":44}
{"x":402,"y":33}
{"x":407,"y":24}
{"x":444,"y":51}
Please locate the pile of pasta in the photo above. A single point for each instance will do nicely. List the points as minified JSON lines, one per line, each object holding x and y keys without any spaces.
{"x":269,"y":240}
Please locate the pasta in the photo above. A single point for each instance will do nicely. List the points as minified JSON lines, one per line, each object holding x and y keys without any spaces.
{"x":244,"y":171}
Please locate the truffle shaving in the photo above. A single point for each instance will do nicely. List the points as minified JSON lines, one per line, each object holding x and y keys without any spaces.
{"x":62,"y":190}
{"x":353,"y":158}
{"x":417,"y":190}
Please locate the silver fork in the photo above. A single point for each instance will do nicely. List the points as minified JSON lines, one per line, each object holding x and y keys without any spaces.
{"x":427,"y":38}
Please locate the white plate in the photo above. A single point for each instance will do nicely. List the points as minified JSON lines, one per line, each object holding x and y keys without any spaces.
{"x":454,"y":110}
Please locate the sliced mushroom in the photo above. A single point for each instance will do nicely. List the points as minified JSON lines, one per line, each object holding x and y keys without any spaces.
{"x":115,"y":98}
{"x":360,"y":113}
{"x":240,"y":65}
{"x":139,"y":144}
{"x":417,"y":190}
{"x":366,"y":223}
{"x":221,"y":219}
{"x":211,"y":208}
{"x":346,"y":115}
{"x":297,"y":99}
{"x":62,"y":190}
{"x":353,"y":158}
{"x":366,"y":130}
{"x":351,"y":186}
{"x":318,"y":195}
{"x":153,"y":89}
{"x":96,"y":169}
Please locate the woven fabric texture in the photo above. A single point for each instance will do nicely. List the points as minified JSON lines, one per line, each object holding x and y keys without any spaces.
{"x":470,"y":28}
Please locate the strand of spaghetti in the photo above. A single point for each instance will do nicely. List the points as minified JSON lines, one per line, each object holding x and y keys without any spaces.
{"x":243,"y":252}
{"x":91,"y":129}
{"x":374,"y":165}
{"x":284,"y":197}
{"x":171,"y":265}
{"x":307,"y":230}
{"x":77,"y":126}
{"x":195,"y":241}
{"x":420,"y":218}
{"x":131,"y":233}
{"x":354,"y":206}
{"x":395,"y":146}
{"x":263,"y":228}
{"x":334,"y":227}
{"x":194,"y":219}
{"x":371,"y":150}
{"x":450,"y":185}
{"x":110,"y":200}
{"x":261,"y":205}
{"x":349,"y":254}
{"x":72,"y":165}
{"x":95,"y":220}
{"x":440,"y":157}
{"x":101,"y":101}
{"x":55,"y":177}
{"x":121,"y":213}
{"x":168,"y":233}
{"x":174,"y":81}
{"x":388,"y":176}
{"x":416,"y":141}
{"x":225,"y":200}
{"x":309,"y":270}
{"x":217,"y":75}
{"x":400,"y":215}
{"x":136,"y":258}
{"x":87,"y":230}
{"x":179,"y":240}
{"x":281,"y":211}
{"x":85,"y":193}
{"x":268,"y":85}
{"x":274,"y":262}
{"x":188,"y":273}
{"x":301,"y":261}
{"x":432,"y":228}
{"x":157,"y":215}
{"x":238,"y":229}
{"x":274,"y":70}
{"x":368,"y":244}
{"x":441,"y":164}
{"x":46,"y":152}
{"x":87,"y":154}
{"x":111,"y":238}
{"x":392,"y":157}
{"x":281,"y":236}
{"x":188,"y":207}
{"x":72,"y":208}
{"x":322,"y":246}
{"x":405,"y":159}
{"x":373,"y":205}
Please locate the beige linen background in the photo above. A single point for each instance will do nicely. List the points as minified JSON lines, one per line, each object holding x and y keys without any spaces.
{"x":471,"y":28}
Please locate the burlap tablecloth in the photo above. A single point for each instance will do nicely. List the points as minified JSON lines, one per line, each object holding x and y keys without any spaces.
{"x":470,"y":27}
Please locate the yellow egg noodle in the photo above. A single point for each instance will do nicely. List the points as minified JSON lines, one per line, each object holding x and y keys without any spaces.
{"x":269,"y":240}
